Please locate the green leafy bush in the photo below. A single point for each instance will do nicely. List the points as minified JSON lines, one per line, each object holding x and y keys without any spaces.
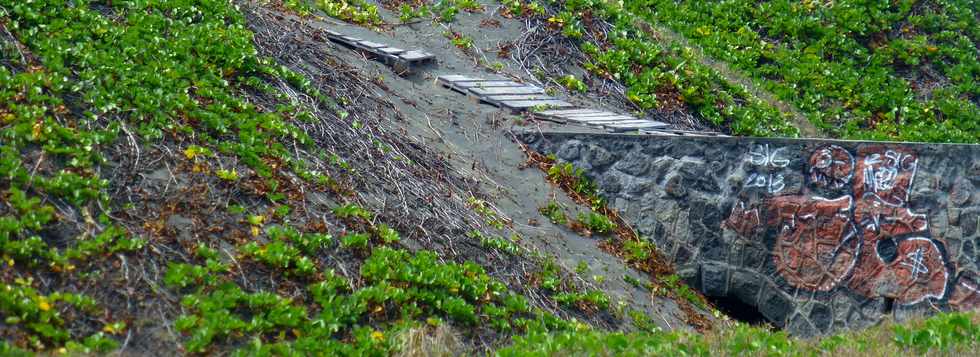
{"x":554,"y":213}
{"x":857,"y":69}
{"x":597,"y":223}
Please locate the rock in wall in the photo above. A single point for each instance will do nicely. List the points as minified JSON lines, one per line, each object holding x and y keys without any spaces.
{"x":817,"y":235}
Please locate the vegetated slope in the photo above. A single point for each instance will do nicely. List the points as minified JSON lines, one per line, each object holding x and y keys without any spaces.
{"x":896,"y":70}
{"x":172,"y":182}
{"x":168,"y":186}
{"x":659,"y":76}
{"x":884,"y":71}
{"x":661,"y":79}
{"x":956,"y":334}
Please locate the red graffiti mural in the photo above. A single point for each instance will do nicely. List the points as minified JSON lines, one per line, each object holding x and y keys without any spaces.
{"x":831,"y":166}
{"x":867,"y":241}
{"x":817,"y":244}
{"x":966,"y":293}
{"x":744,"y":219}
{"x":885,"y":173}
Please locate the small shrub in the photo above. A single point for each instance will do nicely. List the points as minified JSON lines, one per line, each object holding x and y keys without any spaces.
{"x":597,"y":223}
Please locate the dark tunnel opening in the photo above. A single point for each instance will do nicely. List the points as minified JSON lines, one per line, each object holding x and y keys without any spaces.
{"x":738,"y":310}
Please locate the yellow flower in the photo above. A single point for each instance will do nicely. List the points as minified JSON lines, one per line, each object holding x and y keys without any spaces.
{"x":44,"y":305}
{"x":36,"y":129}
{"x":255,"y":231}
{"x":377,"y":336}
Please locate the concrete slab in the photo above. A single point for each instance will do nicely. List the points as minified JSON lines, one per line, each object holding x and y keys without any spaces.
{"x":588,"y":115}
{"x":506,"y":90}
{"x":449,"y":78}
{"x":567,"y":111}
{"x":498,"y":98}
{"x":627,"y":121}
{"x":349,"y":39}
{"x":332,"y":33}
{"x":523,"y":104}
{"x":391,"y":50}
{"x":487,"y":84}
{"x":371,"y":45}
{"x":618,"y":127}
{"x":416,"y":56}
{"x":601,"y":119}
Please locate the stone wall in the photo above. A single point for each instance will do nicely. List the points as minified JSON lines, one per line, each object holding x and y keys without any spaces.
{"x":817,"y":235}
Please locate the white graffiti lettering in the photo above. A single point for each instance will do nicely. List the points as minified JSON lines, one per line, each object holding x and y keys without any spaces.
{"x":763,"y":155}
{"x":916,"y":266}
{"x":880,"y":173}
{"x":773,"y":183}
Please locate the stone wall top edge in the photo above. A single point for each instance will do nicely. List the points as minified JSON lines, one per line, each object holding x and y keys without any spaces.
{"x":634,"y":137}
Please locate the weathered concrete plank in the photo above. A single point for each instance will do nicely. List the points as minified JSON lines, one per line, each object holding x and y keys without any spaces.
{"x":506,"y":90}
{"x":630,"y":126}
{"x":371,"y":45}
{"x":487,"y":84}
{"x":497,"y":98}
{"x":449,"y":78}
{"x":391,"y":50}
{"x":524,"y":104}
{"x":416,"y":56}
{"x":562,"y":112}
{"x":593,"y":115}
{"x":633,"y":122}
{"x":600,"y":119}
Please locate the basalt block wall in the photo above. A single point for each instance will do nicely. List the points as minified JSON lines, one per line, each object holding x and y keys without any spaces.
{"x":817,"y":235}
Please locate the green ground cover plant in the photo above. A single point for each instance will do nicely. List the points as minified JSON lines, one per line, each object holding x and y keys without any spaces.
{"x":656,"y":73}
{"x":355,"y":11}
{"x":898,"y":70}
{"x":948,"y":334}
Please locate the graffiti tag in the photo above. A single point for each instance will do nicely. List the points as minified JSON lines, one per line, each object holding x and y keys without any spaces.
{"x":773,"y":183}
{"x":763,"y":155}
{"x":819,"y":246}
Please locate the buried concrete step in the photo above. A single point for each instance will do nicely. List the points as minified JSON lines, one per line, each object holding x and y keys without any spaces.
{"x":403,"y":61}
{"x":599,"y":120}
{"x":581,"y":117}
{"x":370,"y":45}
{"x":604,"y":123}
{"x":560,"y":113}
{"x":518,"y":105}
{"x":487,"y":87}
{"x":497,"y":98}
{"x":465,"y":86}
{"x":347,"y":40}
{"x":631,"y":126}
{"x":506,"y":90}
{"x":450,"y":78}
{"x":590,"y":114}
{"x":415,"y":56}
{"x":487,"y":84}
{"x":390,"y":50}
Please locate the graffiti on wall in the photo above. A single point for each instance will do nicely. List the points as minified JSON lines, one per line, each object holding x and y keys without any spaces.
{"x":863,"y":237}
